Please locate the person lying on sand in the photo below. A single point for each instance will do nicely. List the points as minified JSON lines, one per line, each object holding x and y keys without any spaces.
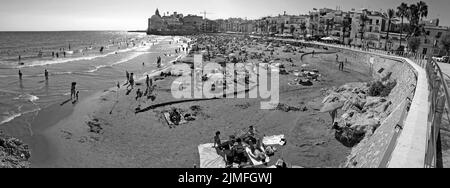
{"x":256,"y":152}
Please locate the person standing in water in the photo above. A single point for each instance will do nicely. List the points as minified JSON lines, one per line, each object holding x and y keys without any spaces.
{"x":73,"y":90}
{"x":147,"y":81}
{"x":20,"y":75}
{"x":46,"y":74}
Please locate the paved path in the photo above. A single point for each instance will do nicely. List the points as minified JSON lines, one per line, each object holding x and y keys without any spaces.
{"x":445,"y":131}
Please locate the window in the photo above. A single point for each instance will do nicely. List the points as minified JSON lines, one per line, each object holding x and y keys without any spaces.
{"x":424,"y":51}
{"x":378,"y":22}
{"x":439,"y":35}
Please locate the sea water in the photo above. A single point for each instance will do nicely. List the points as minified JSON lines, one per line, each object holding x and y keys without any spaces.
{"x":84,"y":63}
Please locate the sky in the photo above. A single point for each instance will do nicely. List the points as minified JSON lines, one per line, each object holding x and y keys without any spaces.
{"x":70,"y":15}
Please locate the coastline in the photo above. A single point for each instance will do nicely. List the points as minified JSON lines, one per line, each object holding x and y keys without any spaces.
{"x":127,"y":139}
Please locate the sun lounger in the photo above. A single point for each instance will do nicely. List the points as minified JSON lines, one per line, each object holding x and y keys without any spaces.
{"x":209,"y":157}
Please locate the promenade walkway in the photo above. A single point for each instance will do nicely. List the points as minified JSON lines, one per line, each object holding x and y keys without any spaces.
{"x":445,"y":129}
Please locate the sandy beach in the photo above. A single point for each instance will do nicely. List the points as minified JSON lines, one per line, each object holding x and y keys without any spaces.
{"x":124,"y":138}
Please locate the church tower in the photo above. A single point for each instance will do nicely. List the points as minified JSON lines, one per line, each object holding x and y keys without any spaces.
{"x":157,"y":13}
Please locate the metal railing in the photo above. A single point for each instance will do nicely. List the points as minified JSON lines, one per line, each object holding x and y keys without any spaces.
{"x":439,"y":98}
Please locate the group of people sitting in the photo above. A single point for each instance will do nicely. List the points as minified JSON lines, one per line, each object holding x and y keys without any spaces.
{"x":234,"y":149}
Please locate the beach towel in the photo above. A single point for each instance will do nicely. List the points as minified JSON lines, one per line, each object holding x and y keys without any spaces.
{"x":274,"y":140}
{"x":255,"y":162}
{"x":209,"y":157}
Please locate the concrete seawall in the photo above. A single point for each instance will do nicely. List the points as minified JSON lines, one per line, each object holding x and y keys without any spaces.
{"x":398,"y":142}
{"x":375,"y":150}
{"x":401,"y":140}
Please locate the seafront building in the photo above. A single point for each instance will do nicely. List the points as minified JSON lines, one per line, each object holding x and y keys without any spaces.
{"x":346,"y":27}
{"x":177,"y":24}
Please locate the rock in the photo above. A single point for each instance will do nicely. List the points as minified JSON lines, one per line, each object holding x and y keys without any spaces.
{"x":13,"y":153}
{"x":315,"y":105}
{"x":373,"y":102}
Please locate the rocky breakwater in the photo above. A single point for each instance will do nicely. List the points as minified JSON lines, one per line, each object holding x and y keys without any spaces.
{"x":13,"y":153}
{"x":363,"y":105}
{"x":369,"y":115}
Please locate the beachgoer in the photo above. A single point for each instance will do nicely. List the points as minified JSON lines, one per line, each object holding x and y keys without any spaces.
{"x":46,"y":74}
{"x":257,"y":153}
{"x":128,"y":77}
{"x":76,"y":96}
{"x":20,"y":75}
{"x":73,"y":90}
{"x":138,"y":94}
{"x":238,"y":152}
{"x":217,"y":141}
{"x":333,"y":115}
{"x":64,"y":54}
{"x":131,"y":81}
{"x":148,"y":82}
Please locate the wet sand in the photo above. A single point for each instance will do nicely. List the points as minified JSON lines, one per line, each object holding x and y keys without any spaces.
{"x":128,"y":139}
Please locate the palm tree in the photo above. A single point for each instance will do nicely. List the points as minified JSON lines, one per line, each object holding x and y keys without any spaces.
{"x":413,"y":18}
{"x":329,"y":24}
{"x":303,"y":29}
{"x":423,"y":9}
{"x":346,"y":24}
{"x":402,"y":13}
{"x":390,"y":16}
{"x":363,"y":21}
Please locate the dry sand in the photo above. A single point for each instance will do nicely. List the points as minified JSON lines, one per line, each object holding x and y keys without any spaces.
{"x":145,"y":140}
